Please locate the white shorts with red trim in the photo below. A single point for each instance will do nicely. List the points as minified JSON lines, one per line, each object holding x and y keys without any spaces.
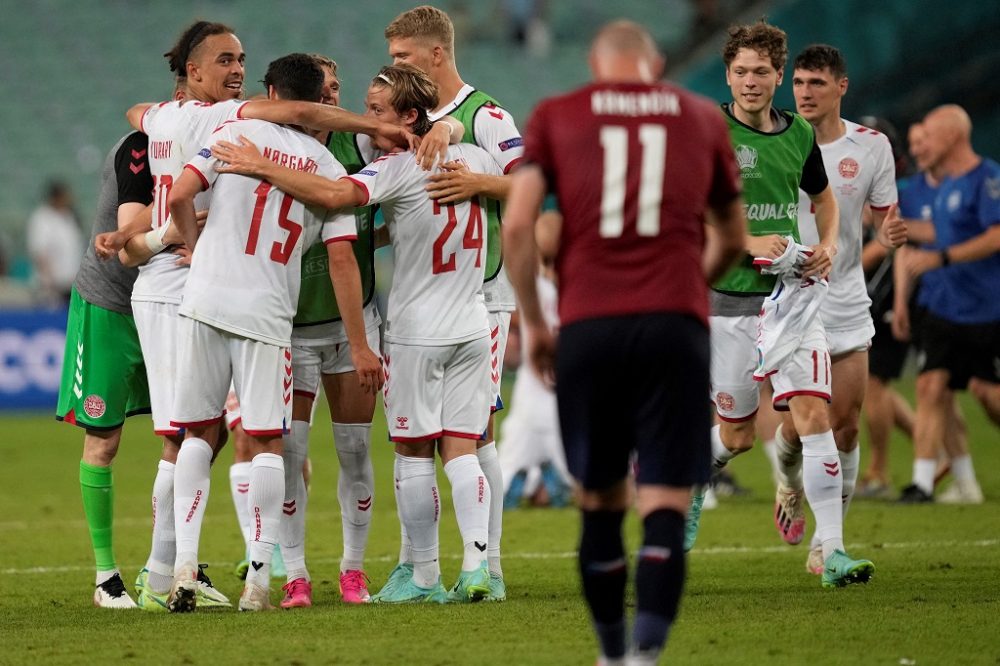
{"x":432,"y":392}
{"x":734,"y":358}
{"x":847,"y":340}
{"x":310,"y":361}
{"x":157,"y":324}
{"x":234,"y":416}
{"x":208,"y":359}
{"x":807,"y":371}
{"x":499,"y":331}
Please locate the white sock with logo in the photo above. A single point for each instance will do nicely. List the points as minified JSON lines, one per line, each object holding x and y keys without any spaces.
{"x":420,"y":511}
{"x":470,"y":494}
{"x":355,"y":489}
{"x":267,"y":489}
{"x":295,"y":450}
{"x":404,"y":540}
{"x":823,"y":482}
{"x":164,"y":547}
{"x":490,"y":463}
{"x":192,"y":481}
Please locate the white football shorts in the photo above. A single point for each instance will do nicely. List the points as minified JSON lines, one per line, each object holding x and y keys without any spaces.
{"x":734,"y":359}
{"x":157,"y":324}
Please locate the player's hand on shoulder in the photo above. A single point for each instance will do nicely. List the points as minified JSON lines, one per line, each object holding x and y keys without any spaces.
{"x":434,"y":146}
{"x":243,"y":158}
{"x":390,"y":138}
{"x":454,"y":182}
{"x":771,"y":246}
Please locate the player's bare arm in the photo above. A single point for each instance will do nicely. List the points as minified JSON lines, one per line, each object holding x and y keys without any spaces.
{"x":725,"y":239}
{"x":314,"y":116}
{"x":890,"y":227}
{"x":246,"y":159}
{"x":520,"y":253}
{"x":181,"y":205}
{"x":133,"y":218}
{"x":142,"y":245}
{"x":456,"y":183}
{"x":828,"y":225}
{"x":771,"y":246}
{"x":979,"y":247}
{"x":434,"y":145}
{"x":921,"y":232}
{"x":346,"y":279}
{"x":902,"y":290}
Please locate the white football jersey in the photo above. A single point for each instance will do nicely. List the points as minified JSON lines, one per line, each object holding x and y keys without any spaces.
{"x":177,"y":131}
{"x":439,"y":251}
{"x":497,"y":134}
{"x":861,"y":170}
{"x":246,"y":269}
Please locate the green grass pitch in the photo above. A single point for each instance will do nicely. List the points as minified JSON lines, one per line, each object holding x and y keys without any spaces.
{"x":935,"y":598}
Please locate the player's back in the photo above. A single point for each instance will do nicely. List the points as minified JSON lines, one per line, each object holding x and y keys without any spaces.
{"x":246,"y":269}
{"x":439,"y":251}
{"x":177,"y":131}
{"x":634,"y":167}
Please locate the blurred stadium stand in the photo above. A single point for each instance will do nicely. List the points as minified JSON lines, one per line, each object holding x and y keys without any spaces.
{"x":72,"y":69}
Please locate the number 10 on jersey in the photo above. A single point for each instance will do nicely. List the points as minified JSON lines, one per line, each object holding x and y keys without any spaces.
{"x":614,"y":142}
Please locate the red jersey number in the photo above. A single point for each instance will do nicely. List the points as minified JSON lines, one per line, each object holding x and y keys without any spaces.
{"x":471,"y":240}
{"x":614,"y":142}
{"x":161,"y":190}
{"x":280,"y":252}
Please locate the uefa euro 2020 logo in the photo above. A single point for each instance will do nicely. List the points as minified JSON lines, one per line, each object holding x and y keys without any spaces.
{"x":746,"y":157}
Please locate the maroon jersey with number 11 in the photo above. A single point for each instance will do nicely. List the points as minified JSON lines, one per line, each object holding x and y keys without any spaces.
{"x":634,"y":167}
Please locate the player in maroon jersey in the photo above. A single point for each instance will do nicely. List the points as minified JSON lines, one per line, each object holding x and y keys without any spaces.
{"x":636,"y":174}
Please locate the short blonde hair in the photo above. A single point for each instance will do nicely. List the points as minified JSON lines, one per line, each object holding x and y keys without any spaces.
{"x":426,"y":23}
{"x":411,"y":89}
{"x":324,"y":61}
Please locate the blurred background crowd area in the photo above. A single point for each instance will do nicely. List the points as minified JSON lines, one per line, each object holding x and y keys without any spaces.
{"x":72,"y":69}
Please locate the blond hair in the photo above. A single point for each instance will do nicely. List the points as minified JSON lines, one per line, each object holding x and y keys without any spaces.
{"x":425,"y":23}
{"x":324,"y":61}
{"x":411,"y":89}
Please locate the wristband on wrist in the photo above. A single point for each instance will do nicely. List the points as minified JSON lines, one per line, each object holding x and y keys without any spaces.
{"x":945,"y":259}
{"x":154,"y":240}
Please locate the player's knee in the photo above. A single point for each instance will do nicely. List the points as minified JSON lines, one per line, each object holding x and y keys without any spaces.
{"x":931,"y":387}
{"x":846,"y":434}
{"x":738,"y":437}
{"x":100,"y":448}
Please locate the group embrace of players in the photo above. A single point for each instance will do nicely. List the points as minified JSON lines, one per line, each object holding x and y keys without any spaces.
{"x":254,"y":249}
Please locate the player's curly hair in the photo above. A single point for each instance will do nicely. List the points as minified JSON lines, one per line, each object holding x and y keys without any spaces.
{"x":411,"y":89}
{"x":190,"y":39}
{"x":767,"y":40}
{"x":423,"y":22}
{"x":816,"y":57}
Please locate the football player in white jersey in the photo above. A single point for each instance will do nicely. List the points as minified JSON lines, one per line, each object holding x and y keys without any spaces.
{"x":425,"y":37}
{"x":861,"y":170}
{"x":437,"y":339}
{"x":252,"y":243}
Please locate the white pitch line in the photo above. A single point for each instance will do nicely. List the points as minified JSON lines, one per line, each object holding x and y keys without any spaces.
{"x":565,"y":555}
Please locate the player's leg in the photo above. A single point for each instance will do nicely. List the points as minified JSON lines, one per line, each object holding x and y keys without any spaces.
{"x":464,"y":409}
{"x":201,"y":385}
{"x":239,"y":476}
{"x":591,"y":405}
{"x":884,"y":409}
{"x":100,"y":365}
{"x":486,"y":449}
{"x":673,"y":447}
{"x":768,"y":421}
{"x":262,"y":376}
{"x":412,"y":398}
{"x":351,"y":413}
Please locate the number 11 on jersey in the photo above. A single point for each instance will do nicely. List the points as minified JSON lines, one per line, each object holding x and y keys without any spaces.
{"x":614,"y":142}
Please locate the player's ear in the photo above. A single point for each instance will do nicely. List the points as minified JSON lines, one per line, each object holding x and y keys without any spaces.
{"x":192,"y":70}
{"x":272,"y":93}
{"x":843,"y":85}
{"x":781,"y":75}
{"x":437,"y":54}
{"x":410,"y":118}
{"x":658,"y":65}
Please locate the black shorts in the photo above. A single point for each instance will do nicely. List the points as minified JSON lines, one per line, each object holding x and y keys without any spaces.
{"x":635,"y":383}
{"x":964,"y":350}
{"x":887,"y":354}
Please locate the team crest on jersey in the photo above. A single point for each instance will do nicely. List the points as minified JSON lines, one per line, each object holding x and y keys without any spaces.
{"x":725,"y":402}
{"x":848,"y":167}
{"x":993,"y":188}
{"x":402,"y":423}
{"x":746,"y":158}
{"x":954,"y":201}
{"x":94,"y":406}
{"x":205,"y":152}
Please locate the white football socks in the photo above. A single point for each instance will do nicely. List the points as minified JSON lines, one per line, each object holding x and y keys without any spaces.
{"x":295,"y":450}
{"x":822,"y":480}
{"x":789,"y":461}
{"x":470,"y":494}
{"x":267,"y":489}
{"x":720,"y":454}
{"x":163,"y":551}
{"x":962,"y":469}
{"x":849,"y":463}
{"x":405,"y":556}
{"x":192,"y":480}
{"x":489,"y":461}
{"x":923,"y":474}
{"x":420,"y":511}
{"x":355,"y":489}
{"x":239,"y":486}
